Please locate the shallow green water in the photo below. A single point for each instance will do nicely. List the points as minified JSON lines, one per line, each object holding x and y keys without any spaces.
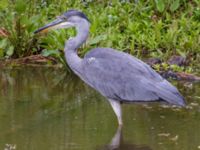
{"x":44,"y":109}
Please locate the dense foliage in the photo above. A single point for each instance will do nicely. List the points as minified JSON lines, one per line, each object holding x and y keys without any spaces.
{"x":150,"y":28}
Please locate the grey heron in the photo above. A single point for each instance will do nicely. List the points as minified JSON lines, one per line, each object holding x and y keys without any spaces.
{"x":118,"y":76}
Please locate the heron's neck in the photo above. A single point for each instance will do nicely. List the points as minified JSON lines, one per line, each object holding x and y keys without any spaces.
{"x":72,"y":45}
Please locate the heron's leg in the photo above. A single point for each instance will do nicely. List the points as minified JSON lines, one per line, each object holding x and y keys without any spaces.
{"x":117,"y":109}
{"x":115,"y":142}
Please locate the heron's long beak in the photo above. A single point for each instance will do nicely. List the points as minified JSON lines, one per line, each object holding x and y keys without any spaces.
{"x":56,"y":24}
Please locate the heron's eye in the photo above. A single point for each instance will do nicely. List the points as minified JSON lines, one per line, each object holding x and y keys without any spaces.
{"x":61,"y":17}
{"x":64,"y":17}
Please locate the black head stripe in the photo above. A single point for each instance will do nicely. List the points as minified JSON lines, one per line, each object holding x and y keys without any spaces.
{"x":70,"y":13}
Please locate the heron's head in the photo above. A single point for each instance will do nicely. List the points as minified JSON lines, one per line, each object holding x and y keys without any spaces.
{"x":70,"y":18}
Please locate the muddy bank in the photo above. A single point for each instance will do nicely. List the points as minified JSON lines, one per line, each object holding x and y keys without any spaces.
{"x":39,"y":60}
{"x":34,"y":60}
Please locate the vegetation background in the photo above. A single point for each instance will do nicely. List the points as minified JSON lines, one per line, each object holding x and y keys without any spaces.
{"x":143,"y":28}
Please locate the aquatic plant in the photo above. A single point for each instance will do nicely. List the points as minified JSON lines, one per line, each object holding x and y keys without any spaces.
{"x":152,"y":28}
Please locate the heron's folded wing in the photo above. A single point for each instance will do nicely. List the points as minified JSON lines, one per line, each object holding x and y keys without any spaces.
{"x":118,"y":80}
{"x":120,"y":76}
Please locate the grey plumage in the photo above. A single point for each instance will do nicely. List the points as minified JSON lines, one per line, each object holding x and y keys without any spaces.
{"x":122,"y":77}
{"x":118,"y":76}
{"x":72,"y":12}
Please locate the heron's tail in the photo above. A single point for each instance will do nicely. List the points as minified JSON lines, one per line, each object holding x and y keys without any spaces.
{"x":173,"y":98}
{"x":170,"y":94}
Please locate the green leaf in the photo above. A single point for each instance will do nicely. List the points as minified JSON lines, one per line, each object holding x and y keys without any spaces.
{"x":175,"y":5}
{"x":50,"y":53}
{"x":97,"y":39}
{"x":160,"y":4}
{"x":3,"y":4}
{"x":3,"y":43}
{"x":10,"y":51}
{"x":20,"y":6}
{"x":181,"y":53}
{"x":1,"y":53}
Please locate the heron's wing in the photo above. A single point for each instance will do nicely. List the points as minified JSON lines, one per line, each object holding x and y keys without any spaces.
{"x":120,"y":61}
{"x":120,"y":76}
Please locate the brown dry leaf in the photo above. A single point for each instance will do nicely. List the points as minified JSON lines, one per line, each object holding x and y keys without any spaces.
{"x":3,"y":33}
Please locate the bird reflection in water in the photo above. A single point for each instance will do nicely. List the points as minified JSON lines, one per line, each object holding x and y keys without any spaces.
{"x":117,"y":143}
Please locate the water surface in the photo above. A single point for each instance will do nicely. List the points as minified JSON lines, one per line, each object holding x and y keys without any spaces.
{"x":46,"y":109}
